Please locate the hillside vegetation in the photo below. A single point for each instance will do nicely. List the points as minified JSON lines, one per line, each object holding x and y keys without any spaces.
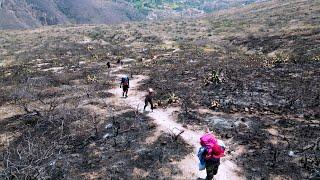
{"x":181,"y":5}
{"x":17,"y":14}
{"x":21,"y":14}
{"x":54,"y":94}
{"x":164,"y":9}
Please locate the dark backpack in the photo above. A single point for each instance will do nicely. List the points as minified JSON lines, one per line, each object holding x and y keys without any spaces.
{"x":125,"y":81}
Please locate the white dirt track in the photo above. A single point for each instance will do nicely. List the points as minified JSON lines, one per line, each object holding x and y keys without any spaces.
{"x":166,"y":123}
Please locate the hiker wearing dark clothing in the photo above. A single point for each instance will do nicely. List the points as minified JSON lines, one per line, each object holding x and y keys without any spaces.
{"x":125,"y":85}
{"x":212,"y":166}
{"x":148,"y":99}
{"x":108,"y":65}
{"x":209,"y":154}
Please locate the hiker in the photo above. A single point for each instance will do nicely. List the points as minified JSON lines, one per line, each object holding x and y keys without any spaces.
{"x":109,"y":69}
{"x":125,"y":85}
{"x":148,"y":99}
{"x":209,"y":154}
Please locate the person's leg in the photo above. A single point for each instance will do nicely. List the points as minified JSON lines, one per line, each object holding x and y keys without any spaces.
{"x":210,"y":171}
{"x":125,"y":89}
{"x":151,"y":103}
{"x":215,"y":168}
{"x":145,"y":104}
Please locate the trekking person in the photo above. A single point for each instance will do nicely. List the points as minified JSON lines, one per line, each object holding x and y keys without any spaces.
{"x":125,"y":85}
{"x":210,"y":153}
{"x":149,"y":99}
{"x":109,"y":69}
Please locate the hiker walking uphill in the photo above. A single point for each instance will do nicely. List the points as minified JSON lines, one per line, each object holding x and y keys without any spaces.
{"x":148,"y":99}
{"x":125,"y":85}
{"x":210,"y":153}
{"x":166,"y":122}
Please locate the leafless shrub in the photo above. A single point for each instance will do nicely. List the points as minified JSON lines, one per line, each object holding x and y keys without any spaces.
{"x":33,"y":158}
{"x":23,"y":95}
{"x":94,"y":122}
{"x":175,"y":134}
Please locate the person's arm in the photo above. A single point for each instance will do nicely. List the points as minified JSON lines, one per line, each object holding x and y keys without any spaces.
{"x":128,"y":82}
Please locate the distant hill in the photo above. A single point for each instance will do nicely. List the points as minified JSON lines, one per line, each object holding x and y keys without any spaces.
{"x":249,"y":74}
{"x":16,"y":14}
{"x":19,"y":14}
{"x":160,"y":9}
{"x":206,"y":5}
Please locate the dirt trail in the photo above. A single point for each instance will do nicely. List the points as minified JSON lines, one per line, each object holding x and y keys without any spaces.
{"x":167,"y":124}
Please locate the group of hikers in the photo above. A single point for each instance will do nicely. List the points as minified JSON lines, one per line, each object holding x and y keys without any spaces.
{"x":211,"y":150}
{"x":125,"y":85}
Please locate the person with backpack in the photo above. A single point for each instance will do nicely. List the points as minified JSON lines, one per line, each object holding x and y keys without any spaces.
{"x":210,"y":153}
{"x":149,"y":99}
{"x":125,"y":85}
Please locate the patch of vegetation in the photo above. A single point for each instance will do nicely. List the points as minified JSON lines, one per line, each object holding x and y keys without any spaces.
{"x":263,"y":78}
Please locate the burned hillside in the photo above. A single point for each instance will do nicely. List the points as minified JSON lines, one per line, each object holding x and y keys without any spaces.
{"x":250,"y":74}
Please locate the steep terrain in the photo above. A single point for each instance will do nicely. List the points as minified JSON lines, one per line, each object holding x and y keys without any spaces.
{"x":62,"y":117}
{"x":34,"y":13}
{"x":17,"y":14}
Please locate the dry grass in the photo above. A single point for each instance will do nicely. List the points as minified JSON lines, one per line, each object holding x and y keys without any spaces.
{"x":267,"y":55}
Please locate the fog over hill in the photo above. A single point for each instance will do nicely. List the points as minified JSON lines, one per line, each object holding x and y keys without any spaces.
{"x":19,"y":14}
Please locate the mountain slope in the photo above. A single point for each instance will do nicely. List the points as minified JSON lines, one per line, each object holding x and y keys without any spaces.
{"x":162,"y":9}
{"x":266,"y":106}
{"x":16,"y":14}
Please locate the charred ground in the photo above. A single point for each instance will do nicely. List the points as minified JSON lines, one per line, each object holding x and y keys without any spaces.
{"x":54,"y":85}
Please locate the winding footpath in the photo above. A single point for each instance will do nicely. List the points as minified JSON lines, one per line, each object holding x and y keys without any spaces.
{"x":166,"y":123}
